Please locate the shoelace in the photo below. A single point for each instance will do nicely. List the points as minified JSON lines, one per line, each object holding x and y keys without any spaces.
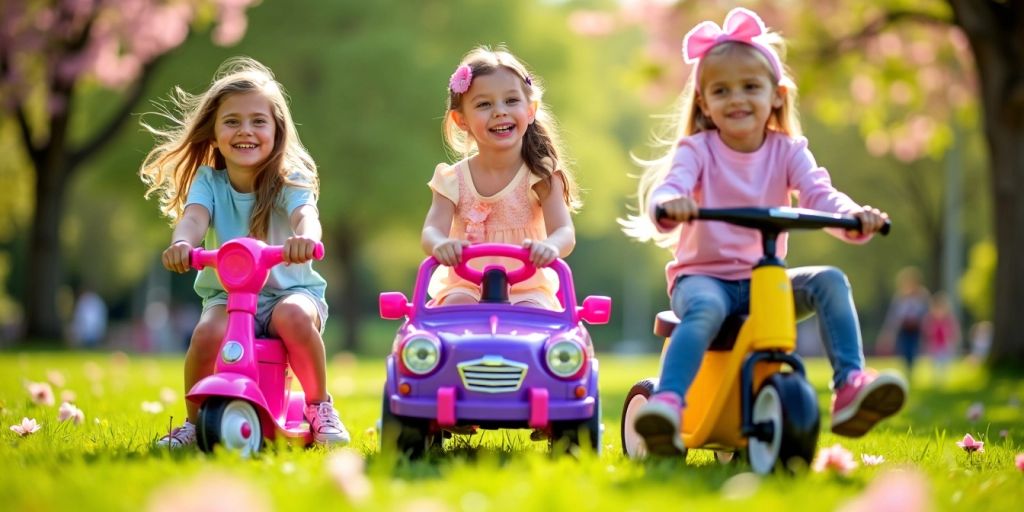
{"x":328,"y":418}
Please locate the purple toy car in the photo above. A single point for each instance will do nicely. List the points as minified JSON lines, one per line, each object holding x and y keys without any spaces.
{"x":492,"y":364}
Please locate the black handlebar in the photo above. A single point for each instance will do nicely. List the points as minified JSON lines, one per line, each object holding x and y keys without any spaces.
{"x":779,"y":219}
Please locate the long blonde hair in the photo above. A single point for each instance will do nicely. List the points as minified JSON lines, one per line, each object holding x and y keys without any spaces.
{"x":170,"y":167}
{"x":688,"y":119}
{"x":542,"y":146}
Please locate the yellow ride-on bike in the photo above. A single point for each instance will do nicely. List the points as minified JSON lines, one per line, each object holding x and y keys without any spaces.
{"x":751,"y":391}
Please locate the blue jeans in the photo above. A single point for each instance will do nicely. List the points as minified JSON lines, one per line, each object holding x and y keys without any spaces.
{"x":702,"y":303}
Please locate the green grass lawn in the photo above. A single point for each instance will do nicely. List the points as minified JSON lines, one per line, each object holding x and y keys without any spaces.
{"x":108,"y":462}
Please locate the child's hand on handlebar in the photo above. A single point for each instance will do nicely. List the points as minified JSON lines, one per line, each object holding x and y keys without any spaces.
{"x":680,"y":209}
{"x":298,"y":249}
{"x":871,"y":220}
{"x":175,"y":258}
{"x":449,"y":251}
{"x":541,"y":253}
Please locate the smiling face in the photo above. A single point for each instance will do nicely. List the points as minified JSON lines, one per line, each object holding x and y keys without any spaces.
{"x":496,"y":111}
{"x":244,"y":131}
{"x":738,"y":94}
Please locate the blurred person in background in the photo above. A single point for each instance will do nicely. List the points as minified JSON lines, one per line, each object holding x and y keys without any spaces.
{"x":902,"y":327}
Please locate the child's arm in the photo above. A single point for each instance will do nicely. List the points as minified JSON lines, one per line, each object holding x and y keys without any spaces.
{"x":189,"y":231}
{"x":436,"y":227}
{"x":305,"y":221}
{"x":675,"y":192}
{"x":561,"y":233}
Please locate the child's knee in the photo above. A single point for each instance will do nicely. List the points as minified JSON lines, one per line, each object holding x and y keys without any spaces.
{"x":831,"y":278}
{"x":294,"y":317}
{"x":206,"y":339}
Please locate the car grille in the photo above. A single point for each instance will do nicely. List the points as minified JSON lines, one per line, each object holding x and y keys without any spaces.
{"x":492,"y":374}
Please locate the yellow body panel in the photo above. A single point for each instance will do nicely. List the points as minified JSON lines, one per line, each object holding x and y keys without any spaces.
{"x":772,"y":320}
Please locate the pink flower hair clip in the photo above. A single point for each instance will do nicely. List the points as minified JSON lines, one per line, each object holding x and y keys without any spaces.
{"x":461,"y":79}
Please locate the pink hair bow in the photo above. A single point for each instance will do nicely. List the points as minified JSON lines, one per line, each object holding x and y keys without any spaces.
{"x":741,"y":25}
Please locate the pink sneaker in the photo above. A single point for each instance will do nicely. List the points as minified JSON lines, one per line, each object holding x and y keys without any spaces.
{"x":180,"y":437}
{"x":325,"y":424}
{"x":866,"y":398}
{"x":658,"y":423}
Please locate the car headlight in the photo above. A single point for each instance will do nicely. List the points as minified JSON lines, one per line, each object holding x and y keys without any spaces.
{"x":421,"y":355}
{"x":565,"y":358}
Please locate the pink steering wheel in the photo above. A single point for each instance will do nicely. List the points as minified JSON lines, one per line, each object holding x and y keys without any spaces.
{"x":515,"y":252}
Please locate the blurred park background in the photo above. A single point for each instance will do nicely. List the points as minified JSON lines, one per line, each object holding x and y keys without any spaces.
{"x":895,"y":101}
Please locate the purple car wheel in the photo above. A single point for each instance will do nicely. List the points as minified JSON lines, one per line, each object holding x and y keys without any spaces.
{"x":569,"y":435}
{"x":408,"y":437}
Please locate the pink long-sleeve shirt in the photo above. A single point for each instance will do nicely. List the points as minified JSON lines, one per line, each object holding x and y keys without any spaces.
{"x":716,"y":176}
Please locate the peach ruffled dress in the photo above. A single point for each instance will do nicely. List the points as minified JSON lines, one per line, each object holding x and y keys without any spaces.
{"x":510,"y":216}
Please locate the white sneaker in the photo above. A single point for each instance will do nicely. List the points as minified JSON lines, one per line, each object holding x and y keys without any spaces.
{"x":325,"y":424}
{"x":180,"y":437}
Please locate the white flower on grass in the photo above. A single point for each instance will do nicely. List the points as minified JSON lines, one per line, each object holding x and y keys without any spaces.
{"x":871,"y":460}
{"x":153,"y":407}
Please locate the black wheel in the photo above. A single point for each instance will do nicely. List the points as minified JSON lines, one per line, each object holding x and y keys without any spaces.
{"x":405,"y":436}
{"x":232,"y":423}
{"x":786,"y":419}
{"x":632,"y":444}
{"x":569,"y":434}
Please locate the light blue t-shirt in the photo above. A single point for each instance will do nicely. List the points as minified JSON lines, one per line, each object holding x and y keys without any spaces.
{"x":230,"y":211}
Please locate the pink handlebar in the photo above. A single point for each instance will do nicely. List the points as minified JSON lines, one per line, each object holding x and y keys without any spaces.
{"x":515,"y":252}
{"x":271,"y":255}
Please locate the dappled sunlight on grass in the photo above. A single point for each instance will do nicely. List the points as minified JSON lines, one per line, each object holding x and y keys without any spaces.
{"x":108,"y":461}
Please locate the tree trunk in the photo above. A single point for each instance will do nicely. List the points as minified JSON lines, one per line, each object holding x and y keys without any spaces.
{"x":345,"y":253}
{"x":42,"y":320}
{"x":52,"y":168}
{"x":996,"y":33}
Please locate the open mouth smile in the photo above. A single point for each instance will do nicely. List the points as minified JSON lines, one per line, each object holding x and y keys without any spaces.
{"x":503,"y":129}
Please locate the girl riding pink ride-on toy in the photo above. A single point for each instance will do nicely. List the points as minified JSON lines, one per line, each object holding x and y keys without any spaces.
{"x":249,"y":395}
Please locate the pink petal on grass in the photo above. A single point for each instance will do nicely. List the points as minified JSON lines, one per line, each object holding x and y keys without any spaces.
{"x":1019,"y":461}
{"x":970,"y":445}
{"x":41,"y":392}
{"x":210,"y":491}
{"x":975,"y":411}
{"x":834,"y":457}
{"x":26,"y":427}
{"x":56,"y":378}
{"x":347,"y":468}
{"x":893,"y":491}
{"x":68,"y":411}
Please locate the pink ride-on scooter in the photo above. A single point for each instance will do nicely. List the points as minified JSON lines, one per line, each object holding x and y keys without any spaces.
{"x":249,"y":395}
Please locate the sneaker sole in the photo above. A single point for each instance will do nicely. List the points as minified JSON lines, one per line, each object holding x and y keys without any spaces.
{"x":884,"y":400}
{"x":660,"y":436}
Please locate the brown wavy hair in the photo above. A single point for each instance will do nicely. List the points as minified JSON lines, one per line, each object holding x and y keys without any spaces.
{"x":542,"y":146}
{"x":170,"y":167}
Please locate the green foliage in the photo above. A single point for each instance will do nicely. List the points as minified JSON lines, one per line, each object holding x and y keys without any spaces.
{"x":108,"y":462}
{"x":367,"y":85}
{"x":977,"y":287}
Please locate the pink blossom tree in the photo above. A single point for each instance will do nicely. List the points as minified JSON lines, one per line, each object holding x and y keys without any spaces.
{"x":48,"y":51}
{"x":910,"y":71}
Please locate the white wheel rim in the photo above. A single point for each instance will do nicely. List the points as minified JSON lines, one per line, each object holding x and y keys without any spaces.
{"x":633,"y":443}
{"x":238,"y":418}
{"x":767,"y":408}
